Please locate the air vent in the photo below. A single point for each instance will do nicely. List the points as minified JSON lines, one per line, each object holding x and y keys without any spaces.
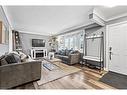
{"x":90,"y":16}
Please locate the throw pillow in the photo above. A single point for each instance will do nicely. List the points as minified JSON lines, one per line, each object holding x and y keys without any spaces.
{"x":60,"y":52}
{"x":15,"y":52}
{"x":17,"y":58}
{"x":72,"y":52}
{"x":10,"y":58}
{"x":23,"y":56}
{"x":68,"y":52}
{"x":63,"y":52}
{"x":1,"y":59}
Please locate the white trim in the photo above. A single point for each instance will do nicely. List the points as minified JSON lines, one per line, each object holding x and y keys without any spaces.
{"x":35,"y":33}
{"x":92,"y":58}
{"x":96,"y":12}
{"x":107,"y":55}
{"x":7,"y":16}
{"x":97,"y":19}
{"x":73,"y":28}
{"x":107,"y":42}
{"x":116,"y":17}
{"x":105,"y":69}
{"x":114,"y":24}
{"x":71,"y":33}
{"x":10,"y":40}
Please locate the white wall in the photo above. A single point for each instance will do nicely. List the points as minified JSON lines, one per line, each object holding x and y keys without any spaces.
{"x":93,"y":47}
{"x":3,"y":47}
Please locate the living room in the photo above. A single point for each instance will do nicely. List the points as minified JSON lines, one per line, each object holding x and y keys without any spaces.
{"x":48,"y":47}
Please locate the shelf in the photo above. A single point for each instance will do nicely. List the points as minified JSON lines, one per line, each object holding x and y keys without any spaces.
{"x":92,"y":58}
{"x":92,"y":37}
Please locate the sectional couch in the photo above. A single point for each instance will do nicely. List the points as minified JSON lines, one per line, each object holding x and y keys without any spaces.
{"x":16,"y":70}
{"x":69,"y":57}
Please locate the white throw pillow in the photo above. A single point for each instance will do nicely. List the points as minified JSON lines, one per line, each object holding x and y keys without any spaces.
{"x":15,"y":52}
{"x":22,"y":55}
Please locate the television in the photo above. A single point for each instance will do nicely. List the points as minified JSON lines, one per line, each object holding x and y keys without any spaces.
{"x":38,"y":43}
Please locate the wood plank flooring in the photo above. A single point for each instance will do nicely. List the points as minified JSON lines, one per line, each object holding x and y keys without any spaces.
{"x":85,"y":79}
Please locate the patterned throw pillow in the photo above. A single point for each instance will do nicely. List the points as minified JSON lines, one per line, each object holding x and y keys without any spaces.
{"x":17,"y":58}
{"x":10,"y":58}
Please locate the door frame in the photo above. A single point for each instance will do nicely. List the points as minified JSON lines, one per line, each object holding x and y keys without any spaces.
{"x":107,"y":41}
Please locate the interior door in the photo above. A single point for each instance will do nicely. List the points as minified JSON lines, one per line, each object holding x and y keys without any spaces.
{"x":117,"y":47}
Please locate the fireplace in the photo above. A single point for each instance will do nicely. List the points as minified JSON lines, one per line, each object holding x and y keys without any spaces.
{"x":40,"y":54}
{"x":35,"y":53}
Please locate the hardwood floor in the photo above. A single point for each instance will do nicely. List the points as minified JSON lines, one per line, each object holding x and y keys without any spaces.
{"x":85,"y":79}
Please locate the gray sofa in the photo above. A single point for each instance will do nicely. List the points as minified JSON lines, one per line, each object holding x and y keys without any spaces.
{"x":68,"y":56}
{"x":15,"y":74}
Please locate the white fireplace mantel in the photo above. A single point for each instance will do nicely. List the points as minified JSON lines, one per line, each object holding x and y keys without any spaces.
{"x":34,"y":52}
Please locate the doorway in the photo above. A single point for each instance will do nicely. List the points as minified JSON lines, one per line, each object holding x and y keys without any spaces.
{"x":117,"y":47}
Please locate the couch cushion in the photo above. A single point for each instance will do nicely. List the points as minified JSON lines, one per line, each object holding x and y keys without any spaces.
{"x":65,"y":57}
{"x":73,"y":52}
{"x":67,"y":52}
{"x":62,"y":52}
{"x":59,"y":56}
{"x":59,"y":52}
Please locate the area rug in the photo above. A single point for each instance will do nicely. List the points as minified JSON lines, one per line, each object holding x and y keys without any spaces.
{"x":115,"y":80}
{"x":63,"y":70}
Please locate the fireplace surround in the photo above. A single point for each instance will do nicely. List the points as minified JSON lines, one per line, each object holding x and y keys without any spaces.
{"x":36,"y":53}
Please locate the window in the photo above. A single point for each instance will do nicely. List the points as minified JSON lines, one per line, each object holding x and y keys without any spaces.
{"x":71,"y":42}
{"x":60,"y":42}
{"x":74,"y":41}
{"x":67,"y":43}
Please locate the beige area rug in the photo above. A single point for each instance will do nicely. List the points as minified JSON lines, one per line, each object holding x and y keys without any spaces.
{"x":63,"y":70}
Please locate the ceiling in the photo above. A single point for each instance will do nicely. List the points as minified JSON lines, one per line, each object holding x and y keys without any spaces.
{"x":49,"y":20}
{"x":108,"y":13}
